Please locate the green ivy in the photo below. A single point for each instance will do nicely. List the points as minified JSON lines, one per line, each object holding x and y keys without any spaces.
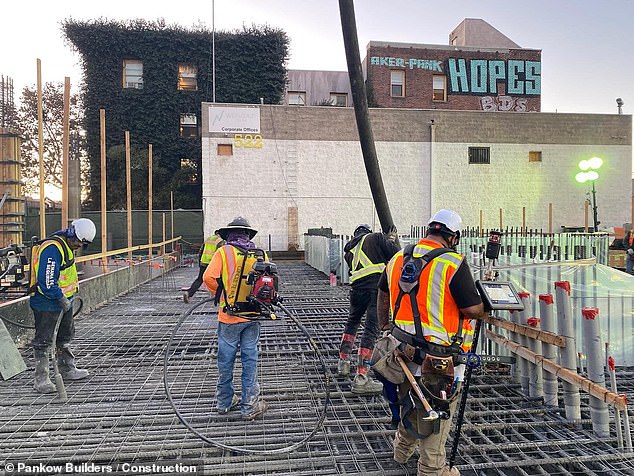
{"x":250,"y":64}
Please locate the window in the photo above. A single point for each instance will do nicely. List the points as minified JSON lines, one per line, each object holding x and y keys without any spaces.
{"x":297,"y":98}
{"x":132,"y":74}
{"x":535,"y":156}
{"x":479,"y":155}
{"x":225,"y":149}
{"x":339,"y":99}
{"x":189,"y":126}
{"x":187,"y":77}
{"x":440,"y":88}
{"x":397,"y":83}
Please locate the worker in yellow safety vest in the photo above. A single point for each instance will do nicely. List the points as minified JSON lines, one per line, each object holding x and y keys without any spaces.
{"x":426,"y":299}
{"x":205,"y":254}
{"x":366,"y":254}
{"x":53,"y":286}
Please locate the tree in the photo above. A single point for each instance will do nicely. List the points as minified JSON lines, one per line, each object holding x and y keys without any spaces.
{"x":52,"y":126}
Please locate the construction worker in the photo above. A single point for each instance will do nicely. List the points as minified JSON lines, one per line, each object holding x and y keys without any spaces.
{"x":431,"y":333}
{"x":366,"y":254}
{"x":205,"y":254}
{"x":52,"y":291}
{"x":226,"y":268}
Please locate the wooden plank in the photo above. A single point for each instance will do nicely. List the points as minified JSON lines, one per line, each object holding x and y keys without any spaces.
{"x":547,"y":337}
{"x":617,"y":401}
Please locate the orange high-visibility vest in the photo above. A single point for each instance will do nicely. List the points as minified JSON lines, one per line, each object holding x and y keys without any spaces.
{"x":439,"y":313}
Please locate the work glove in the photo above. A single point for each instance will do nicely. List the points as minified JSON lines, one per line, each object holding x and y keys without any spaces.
{"x":65,"y":303}
{"x":391,"y":234}
{"x":630,"y":251}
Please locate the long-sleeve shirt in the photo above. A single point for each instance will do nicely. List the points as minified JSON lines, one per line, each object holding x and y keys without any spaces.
{"x":48,"y":291}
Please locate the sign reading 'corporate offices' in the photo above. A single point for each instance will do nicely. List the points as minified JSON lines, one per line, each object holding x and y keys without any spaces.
{"x":477,"y":76}
{"x":233,"y":120}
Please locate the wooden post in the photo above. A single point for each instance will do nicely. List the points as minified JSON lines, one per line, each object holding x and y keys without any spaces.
{"x":40,"y":138}
{"x":65,"y":151}
{"x":172,"y":217}
{"x":104,"y":206}
{"x":149,"y":200}
{"x":585,"y":215}
{"x":550,"y":218}
{"x":500,"y":219}
{"x":481,"y":228}
{"x":128,"y":180}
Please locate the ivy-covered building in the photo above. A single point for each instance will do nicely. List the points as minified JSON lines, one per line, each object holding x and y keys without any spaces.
{"x":151,"y":80}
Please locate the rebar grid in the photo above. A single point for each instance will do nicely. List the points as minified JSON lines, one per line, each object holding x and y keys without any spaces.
{"x":121,"y":414}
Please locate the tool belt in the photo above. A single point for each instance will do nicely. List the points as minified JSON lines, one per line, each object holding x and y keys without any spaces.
{"x":416,"y":349}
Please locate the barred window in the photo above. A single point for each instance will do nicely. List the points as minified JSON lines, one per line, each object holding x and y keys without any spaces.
{"x":479,"y":155}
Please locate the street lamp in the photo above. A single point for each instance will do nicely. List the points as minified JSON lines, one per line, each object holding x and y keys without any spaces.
{"x":589,"y":174}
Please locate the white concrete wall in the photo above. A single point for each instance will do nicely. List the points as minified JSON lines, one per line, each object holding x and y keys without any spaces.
{"x":511,"y":182}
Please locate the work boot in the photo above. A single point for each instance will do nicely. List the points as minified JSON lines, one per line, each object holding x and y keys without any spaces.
{"x":343,"y":368}
{"x":43,"y":382}
{"x":235,"y":403}
{"x":364,"y":385}
{"x":447,"y":471}
{"x":257,"y":410}
{"x":66,"y":364}
{"x":186,"y":297}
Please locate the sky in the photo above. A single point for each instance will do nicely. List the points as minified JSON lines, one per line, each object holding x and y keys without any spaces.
{"x":586,"y":44}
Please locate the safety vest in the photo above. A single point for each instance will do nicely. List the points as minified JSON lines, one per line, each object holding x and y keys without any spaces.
{"x":209,"y":248}
{"x":439,"y":314}
{"x":362,"y":266}
{"x":68,"y":278}
{"x":234,"y":274}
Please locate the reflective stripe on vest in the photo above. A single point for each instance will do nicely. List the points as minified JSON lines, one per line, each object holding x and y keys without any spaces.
{"x":361,"y":264}
{"x":68,"y":278}
{"x":439,"y":313}
{"x":210,"y":247}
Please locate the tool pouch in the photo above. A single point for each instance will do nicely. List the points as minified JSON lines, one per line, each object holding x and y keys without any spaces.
{"x":385,"y":362}
{"x":437,"y":374}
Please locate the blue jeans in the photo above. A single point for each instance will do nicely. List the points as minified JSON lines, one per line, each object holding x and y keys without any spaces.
{"x":230,"y":336}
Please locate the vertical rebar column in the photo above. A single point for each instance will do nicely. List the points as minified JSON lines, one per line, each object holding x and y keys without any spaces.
{"x":525,"y":365}
{"x":568,"y":354}
{"x":535,"y":372}
{"x":594,"y":350}
{"x":617,"y":412}
{"x":549,"y":351}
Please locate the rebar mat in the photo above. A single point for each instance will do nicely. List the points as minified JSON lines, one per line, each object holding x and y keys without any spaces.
{"x":120,"y":414}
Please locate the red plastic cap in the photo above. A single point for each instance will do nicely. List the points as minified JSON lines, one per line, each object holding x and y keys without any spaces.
{"x":565,"y":285}
{"x":547,"y":298}
{"x":590,"y":312}
{"x":524,"y":294}
{"x":533,"y":321}
{"x":611,"y":365}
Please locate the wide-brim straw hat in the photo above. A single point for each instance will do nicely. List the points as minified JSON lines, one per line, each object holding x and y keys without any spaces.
{"x":237,"y":224}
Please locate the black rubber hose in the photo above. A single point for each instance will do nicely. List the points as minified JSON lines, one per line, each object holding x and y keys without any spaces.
{"x":237,"y":449}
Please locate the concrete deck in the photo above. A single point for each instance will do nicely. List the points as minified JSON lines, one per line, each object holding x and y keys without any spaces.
{"x":120,"y":416}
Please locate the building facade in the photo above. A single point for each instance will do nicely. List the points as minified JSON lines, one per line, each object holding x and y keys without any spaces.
{"x":288,"y":169}
{"x":318,"y":88}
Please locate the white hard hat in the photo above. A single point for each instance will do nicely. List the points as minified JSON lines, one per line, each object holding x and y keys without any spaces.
{"x":84,"y":229}
{"x":450,"y":219}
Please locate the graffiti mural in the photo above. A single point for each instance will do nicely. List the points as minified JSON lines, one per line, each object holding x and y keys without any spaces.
{"x":503,"y":103}
{"x":480,"y":76}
